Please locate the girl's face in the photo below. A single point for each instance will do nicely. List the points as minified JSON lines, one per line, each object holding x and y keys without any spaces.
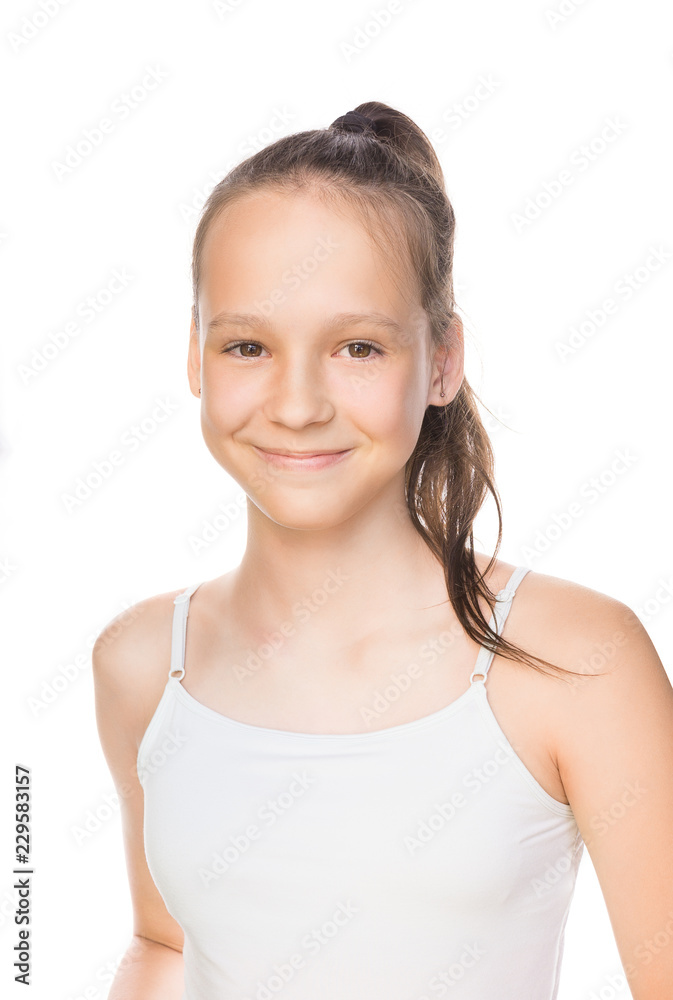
{"x":309,"y":344}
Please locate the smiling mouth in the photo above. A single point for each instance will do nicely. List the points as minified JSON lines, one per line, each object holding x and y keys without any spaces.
{"x":302,"y":460}
{"x":301,"y":454}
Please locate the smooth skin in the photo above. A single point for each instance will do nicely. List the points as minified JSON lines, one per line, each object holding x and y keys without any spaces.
{"x":602,"y":741}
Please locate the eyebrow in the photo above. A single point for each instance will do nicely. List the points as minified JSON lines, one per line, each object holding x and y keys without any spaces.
{"x":337,"y":322}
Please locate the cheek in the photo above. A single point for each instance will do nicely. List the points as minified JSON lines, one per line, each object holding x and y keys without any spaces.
{"x":391,"y":405}
{"x":226,"y":403}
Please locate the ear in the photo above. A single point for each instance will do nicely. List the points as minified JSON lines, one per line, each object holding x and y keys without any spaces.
{"x":194,"y":360}
{"x":448,"y":365}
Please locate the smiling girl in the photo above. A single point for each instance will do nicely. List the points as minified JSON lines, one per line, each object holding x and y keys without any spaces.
{"x":347,"y":779}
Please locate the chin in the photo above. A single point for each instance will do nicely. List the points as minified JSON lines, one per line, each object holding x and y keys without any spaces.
{"x":307,"y":513}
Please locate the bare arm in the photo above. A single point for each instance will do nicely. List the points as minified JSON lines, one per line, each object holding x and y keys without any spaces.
{"x":149,"y":970}
{"x":128,"y":661}
{"x":615,"y":755}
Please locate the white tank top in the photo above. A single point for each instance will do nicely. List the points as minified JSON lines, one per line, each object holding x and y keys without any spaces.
{"x":406,"y":863}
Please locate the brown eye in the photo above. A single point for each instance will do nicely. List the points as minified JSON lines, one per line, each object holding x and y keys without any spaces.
{"x":246,"y":344}
{"x":255,"y":347}
{"x":364,"y":350}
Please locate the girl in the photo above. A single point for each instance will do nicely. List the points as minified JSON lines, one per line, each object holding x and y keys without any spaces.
{"x":338,"y":782}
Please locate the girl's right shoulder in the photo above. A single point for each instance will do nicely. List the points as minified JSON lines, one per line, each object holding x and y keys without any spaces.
{"x":140,"y":633}
{"x":131,"y":661}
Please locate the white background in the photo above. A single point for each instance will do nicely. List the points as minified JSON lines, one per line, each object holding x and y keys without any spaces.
{"x":532,"y":90}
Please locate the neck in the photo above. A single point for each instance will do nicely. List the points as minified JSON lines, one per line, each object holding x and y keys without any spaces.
{"x":332,"y":580}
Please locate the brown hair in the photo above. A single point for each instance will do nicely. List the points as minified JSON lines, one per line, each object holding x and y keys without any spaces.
{"x":389,"y":172}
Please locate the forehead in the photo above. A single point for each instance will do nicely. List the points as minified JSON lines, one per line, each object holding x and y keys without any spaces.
{"x":296,"y":251}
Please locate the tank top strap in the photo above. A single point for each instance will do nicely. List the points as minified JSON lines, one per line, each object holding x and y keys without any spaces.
{"x":503,"y":602}
{"x":180,"y":612}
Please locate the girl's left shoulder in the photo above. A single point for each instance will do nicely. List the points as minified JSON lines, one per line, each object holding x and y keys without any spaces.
{"x":586,"y":631}
{"x":611,"y":731}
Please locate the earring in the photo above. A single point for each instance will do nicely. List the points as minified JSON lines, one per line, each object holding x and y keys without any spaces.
{"x":199,"y":390}
{"x":442,"y":392}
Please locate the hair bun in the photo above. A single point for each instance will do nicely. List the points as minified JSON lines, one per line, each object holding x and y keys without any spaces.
{"x":353,"y":121}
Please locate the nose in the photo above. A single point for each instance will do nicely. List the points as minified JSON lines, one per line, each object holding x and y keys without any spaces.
{"x":297,"y":395}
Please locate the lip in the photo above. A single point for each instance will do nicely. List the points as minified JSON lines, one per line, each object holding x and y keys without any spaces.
{"x":303,"y":460}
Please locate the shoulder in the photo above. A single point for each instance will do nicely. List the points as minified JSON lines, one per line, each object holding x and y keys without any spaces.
{"x":580,"y":629}
{"x":577,"y":624}
{"x":617,"y":687}
{"x":612,"y":729}
{"x":597,"y":639}
{"x":135,"y":632}
{"x":586,"y":632}
{"x":131,"y":659}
